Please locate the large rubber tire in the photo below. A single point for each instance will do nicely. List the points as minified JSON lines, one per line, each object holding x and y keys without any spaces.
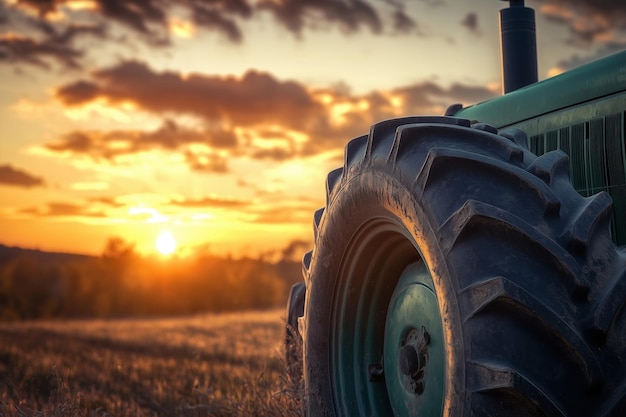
{"x":460,"y":239}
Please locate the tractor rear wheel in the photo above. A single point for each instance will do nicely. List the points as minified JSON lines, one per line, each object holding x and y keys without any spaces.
{"x":456,"y":273}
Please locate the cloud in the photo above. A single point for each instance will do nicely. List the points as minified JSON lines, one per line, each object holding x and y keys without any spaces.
{"x":215,"y":19}
{"x":32,"y":39}
{"x":150,"y":18}
{"x":119,"y":142}
{"x":349,"y":15}
{"x":18,"y":178}
{"x":275,"y":153}
{"x":256,"y":97}
{"x":588,"y":20}
{"x":256,"y":114}
{"x":107,"y":201}
{"x":47,"y":32}
{"x":141,"y":17}
{"x":208,"y":162}
{"x":77,"y":92}
{"x":424,"y":97}
{"x":210,"y":202}
{"x":101,"y":145}
{"x":20,"y":49}
{"x":402,"y":22}
{"x":289,"y":212}
{"x":470,"y":22}
{"x":577,"y":60}
{"x":61,"y":209}
{"x":58,"y":47}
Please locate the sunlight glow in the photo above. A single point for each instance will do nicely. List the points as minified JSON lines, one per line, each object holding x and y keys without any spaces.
{"x":554,"y":71}
{"x":396,"y":101}
{"x":182,"y":28}
{"x":82,"y":5}
{"x":166,"y":243}
{"x":101,"y":108}
{"x":339,"y":109}
{"x":325,"y":98}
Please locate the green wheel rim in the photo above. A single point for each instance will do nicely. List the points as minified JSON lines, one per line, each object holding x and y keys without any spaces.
{"x":413,"y":325}
{"x":384,"y":297}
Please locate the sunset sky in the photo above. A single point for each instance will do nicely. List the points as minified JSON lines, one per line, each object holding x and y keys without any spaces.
{"x":218,"y":120}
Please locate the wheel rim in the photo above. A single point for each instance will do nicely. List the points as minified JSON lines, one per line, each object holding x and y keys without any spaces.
{"x":414,"y":355}
{"x":385,"y":298}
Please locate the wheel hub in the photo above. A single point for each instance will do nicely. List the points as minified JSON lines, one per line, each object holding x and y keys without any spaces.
{"x":412,"y":360}
{"x":414,"y":353}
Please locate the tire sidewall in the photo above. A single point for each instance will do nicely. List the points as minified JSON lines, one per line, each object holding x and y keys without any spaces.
{"x":372,"y":193}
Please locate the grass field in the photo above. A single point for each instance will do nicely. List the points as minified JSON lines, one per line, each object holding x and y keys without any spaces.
{"x":211,"y":365}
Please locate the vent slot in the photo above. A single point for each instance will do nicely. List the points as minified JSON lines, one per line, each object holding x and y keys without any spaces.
{"x":578,"y":167}
{"x":552,"y":141}
{"x":616,"y":172}
{"x":597,"y":154}
{"x":564,"y":143}
{"x":536,"y":145}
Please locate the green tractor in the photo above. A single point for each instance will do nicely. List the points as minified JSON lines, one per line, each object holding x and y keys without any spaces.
{"x":473,"y":264}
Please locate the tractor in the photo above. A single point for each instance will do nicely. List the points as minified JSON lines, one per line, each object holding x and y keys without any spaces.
{"x":474,"y":264}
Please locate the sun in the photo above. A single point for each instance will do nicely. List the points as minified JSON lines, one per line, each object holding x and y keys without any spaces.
{"x":166,"y":243}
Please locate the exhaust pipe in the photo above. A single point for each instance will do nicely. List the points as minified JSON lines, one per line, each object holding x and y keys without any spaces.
{"x":518,"y":45}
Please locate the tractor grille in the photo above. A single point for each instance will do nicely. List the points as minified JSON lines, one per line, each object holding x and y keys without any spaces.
{"x":597,"y":152}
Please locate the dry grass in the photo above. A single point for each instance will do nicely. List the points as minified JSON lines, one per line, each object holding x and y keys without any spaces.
{"x":211,"y":365}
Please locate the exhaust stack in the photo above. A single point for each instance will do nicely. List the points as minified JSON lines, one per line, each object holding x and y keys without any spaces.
{"x":519,"y":46}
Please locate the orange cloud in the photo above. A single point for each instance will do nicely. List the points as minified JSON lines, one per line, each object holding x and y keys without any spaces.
{"x":210,"y":202}
{"x":18,"y":178}
{"x":61,"y":209}
{"x":110,"y":146}
{"x":256,"y":115}
{"x":255,"y":98}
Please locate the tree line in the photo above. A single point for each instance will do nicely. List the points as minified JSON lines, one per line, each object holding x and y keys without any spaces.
{"x":121,"y":283}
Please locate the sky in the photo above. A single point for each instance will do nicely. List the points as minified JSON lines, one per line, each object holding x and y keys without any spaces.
{"x":217,"y":121}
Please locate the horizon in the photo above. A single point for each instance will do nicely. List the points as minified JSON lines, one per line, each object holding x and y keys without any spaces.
{"x":218,"y":123}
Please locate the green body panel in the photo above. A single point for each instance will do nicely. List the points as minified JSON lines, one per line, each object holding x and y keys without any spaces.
{"x":581,"y":112}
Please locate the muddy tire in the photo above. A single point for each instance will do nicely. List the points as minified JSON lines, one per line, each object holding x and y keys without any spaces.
{"x":456,"y":273}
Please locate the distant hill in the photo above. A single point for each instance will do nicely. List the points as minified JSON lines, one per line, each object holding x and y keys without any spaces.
{"x":8,"y":253}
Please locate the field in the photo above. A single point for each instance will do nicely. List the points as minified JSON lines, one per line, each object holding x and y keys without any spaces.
{"x":210,"y":365}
